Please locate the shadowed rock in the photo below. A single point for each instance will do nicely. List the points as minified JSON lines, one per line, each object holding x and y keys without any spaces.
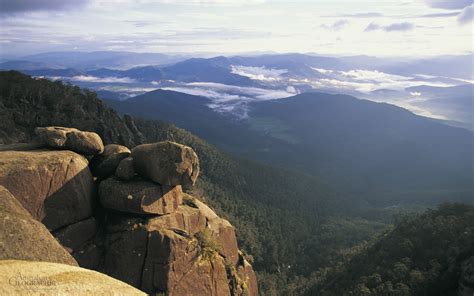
{"x":125,"y":170}
{"x":44,"y":278}
{"x":139,"y":196}
{"x":76,"y":235}
{"x":23,"y":238}
{"x":87,"y":143}
{"x":166,"y":163}
{"x":89,"y":256}
{"x":104,"y":165}
{"x":125,"y":250}
{"x":56,"y":187}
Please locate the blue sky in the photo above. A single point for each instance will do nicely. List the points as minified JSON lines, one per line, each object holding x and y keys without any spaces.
{"x":380,"y":28}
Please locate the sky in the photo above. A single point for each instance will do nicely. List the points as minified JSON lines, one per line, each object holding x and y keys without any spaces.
{"x":411,"y":28}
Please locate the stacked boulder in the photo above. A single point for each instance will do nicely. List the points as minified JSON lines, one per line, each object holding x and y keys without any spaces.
{"x":126,"y":213}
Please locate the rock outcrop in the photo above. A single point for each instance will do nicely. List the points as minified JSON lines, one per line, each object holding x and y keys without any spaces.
{"x":43,"y":278}
{"x":166,"y":163}
{"x":104,"y":164}
{"x":129,"y":218}
{"x":139,"y":196}
{"x":125,"y":170}
{"x":56,"y":187}
{"x":87,"y":143}
{"x":23,"y":238}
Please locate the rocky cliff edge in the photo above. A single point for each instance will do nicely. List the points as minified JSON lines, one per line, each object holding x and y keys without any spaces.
{"x":67,"y":199}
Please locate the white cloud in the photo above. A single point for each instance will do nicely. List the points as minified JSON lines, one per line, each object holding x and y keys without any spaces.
{"x":230,"y":98}
{"x":367,"y":81}
{"x":258,"y":73}
{"x":405,"y":26}
{"x":336,"y":26}
{"x":84,"y":78}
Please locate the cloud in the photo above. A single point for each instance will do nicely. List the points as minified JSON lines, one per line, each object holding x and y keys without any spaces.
{"x":372,"y":27}
{"x":366,"y":81}
{"x":258,"y":73}
{"x":230,"y":98}
{"x":184,"y":2}
{"x":436,"y":15}
{"x":358,"y":15}
{"x":20,"y":6}
{"x":405,"y":26}
{"x":448,"y":4}
{"x":84,"y":78}
{"x":337,"y":26}
{"x":466,"y":16}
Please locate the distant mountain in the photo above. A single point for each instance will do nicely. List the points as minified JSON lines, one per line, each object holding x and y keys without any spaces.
{"x":448,"y":66}
{"x":192,"y":70}
{"x":377,"y":152}
{"x":22,"y":65}
{"x":380,"y":148}
{"x":102,"y":59}
{"x":233,"y":82}
{"x":190,"y":112}
{"x":451,"y":102}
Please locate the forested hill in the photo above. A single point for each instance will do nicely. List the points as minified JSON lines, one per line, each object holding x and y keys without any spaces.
{"x":281,"y":217}
{"x":375,"y":152}
{"x":429,"y":255}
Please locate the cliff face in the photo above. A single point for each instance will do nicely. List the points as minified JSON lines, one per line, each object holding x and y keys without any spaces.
{"x":124,"y":213}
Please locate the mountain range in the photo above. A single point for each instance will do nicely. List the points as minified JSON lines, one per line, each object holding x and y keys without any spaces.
{"x":423,"y":86}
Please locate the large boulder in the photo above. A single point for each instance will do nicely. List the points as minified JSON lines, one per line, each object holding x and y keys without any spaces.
{"x":56,"y":187}
{"x":87,"y":143}
{"x":104,"y":165}
{"x":44,"y":278}
{"x":139,"y":196}
{"x":125,"y":170}
{"x":166,"y":163}
{"x":24,"y":238}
